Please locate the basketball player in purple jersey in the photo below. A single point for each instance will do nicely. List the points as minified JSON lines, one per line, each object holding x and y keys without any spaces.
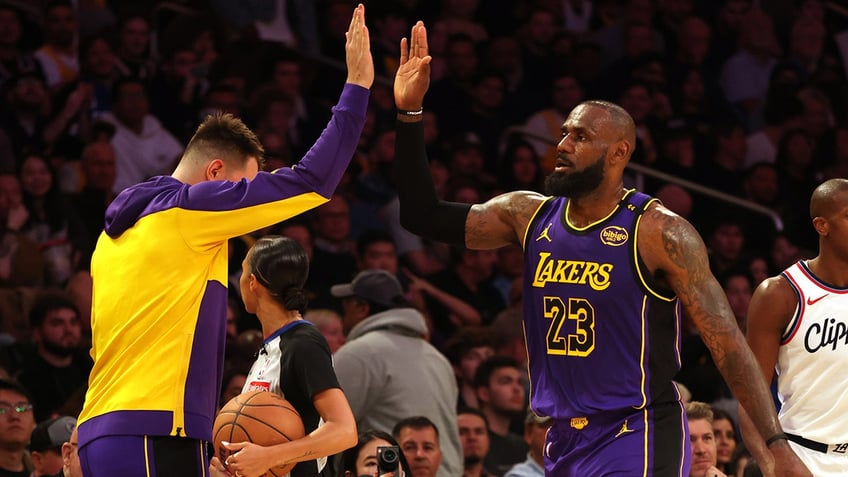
{"x":606,"y":272}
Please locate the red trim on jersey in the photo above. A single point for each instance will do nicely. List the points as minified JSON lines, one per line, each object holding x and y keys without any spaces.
{"x":795,"y":323}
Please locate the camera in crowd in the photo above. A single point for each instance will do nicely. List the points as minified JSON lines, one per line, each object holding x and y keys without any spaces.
{"x":388,"y":459}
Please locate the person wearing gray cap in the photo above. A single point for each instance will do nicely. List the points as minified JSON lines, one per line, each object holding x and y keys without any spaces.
{"x":387,"y":369}
{"x":45,"y":445}
{"x":535,"y":428}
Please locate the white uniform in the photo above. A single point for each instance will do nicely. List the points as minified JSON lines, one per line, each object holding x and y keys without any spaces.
{"x":811,"y":369}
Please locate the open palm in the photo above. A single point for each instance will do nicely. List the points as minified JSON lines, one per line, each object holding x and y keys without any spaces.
{"x":413,"y":74}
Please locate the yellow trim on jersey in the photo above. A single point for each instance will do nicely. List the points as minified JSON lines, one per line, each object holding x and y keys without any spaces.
{"x":642,"y":355}
{"x":146,"y":458}
{"x":636,"y":260}
{"x":532,"y":218}
{"x":202,"y":447}
{"x":677,"y":339}
{"x":527,"y":352}
{"x":613,"y":211}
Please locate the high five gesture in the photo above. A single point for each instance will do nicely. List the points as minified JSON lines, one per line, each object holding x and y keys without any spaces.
{"x":360,"y":65}
{"x":413,"y":74}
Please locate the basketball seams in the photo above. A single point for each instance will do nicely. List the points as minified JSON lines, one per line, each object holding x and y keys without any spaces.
{"x":242,"y":416}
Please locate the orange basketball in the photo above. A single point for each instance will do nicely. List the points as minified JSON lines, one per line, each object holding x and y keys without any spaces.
{"x":259,"y":417}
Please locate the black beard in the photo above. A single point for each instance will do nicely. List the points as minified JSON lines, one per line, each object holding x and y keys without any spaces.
{"x":577,"y":183}
{"x":472,"y":460}
{"x":58,"y":350}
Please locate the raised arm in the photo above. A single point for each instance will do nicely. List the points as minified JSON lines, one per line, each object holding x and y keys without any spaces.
{"x":674,"y":251}
{"x":494,"y":224}
{"x":770,"y":311}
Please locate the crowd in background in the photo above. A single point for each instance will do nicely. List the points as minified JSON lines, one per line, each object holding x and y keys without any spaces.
{"x":747,"y":98}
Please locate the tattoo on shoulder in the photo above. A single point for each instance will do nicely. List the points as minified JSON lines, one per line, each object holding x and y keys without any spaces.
{"x":512,"y":209}
{"x":680,"y":241}
{"x":521,"y":206}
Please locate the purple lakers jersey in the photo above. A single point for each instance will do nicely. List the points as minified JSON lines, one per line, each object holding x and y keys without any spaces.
{"x":601,"y":335}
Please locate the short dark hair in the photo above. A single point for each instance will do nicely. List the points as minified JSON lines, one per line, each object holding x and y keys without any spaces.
{"x":487,"y":369}
{"x":226,"y":136}
{"x":48,"y":301}
{"x":372,"y":236}
{"x":280,"y":264}
{"x":414,"y":422}
{"x":14,"y":386}
{"x":117,"y":88}
{"x":476,"y":412}
{"x":467,"y":338}
{"x":722,"y":415}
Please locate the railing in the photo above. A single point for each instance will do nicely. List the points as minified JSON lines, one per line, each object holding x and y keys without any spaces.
{"x":642,"y":170}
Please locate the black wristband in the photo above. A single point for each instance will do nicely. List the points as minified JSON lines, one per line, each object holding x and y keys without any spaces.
{"x":771,"y":440}
{"x":417,"y":112}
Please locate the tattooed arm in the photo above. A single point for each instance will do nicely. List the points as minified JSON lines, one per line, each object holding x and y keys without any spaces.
{"x":502,"y":220}
{"x":673,"y":250}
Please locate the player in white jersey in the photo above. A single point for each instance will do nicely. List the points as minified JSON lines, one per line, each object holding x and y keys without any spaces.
{"x":798,"y":329}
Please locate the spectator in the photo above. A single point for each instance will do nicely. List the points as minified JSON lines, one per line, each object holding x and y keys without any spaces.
{"x":738,"y":286}
{"x":375,"y":249}
{"x":143,"y":148}
{"x":724,"y":429}
{"x":70,"y":457}
{"x":46,"y":442}
{"x":308,"y":115}
{"x":177,"y":91}
{"x":51,"y":222}
{"x":14,"y":60}
{"x":361,"y":459}
{"x":453,"y":90}
{"x":418,"y":438}
{"x":474,"y":436}
{"x":58,"y":367}
{"x":134,"y":53}
{"x":233,"y":382}
{"x":501,"y":395}
{"x":386,"y":339}
{"x":700,"y":418}
{"x":469,"y":280}
{"x":329,"y":323}
{"x":100,"y":71}
{"x":333,"y":253}
{"x":521,"y":168}
{"x":725,"y":242}
{"x":26,"y":116}
{"x":535,"y":429}
{"x":58,"y":55}
{"x":566,"y":93}
{"x":16,"y":425}
{"x":21,"y":260}
{"x":745,"y":76}
{"x":98,"y":170}
{"x":466,"y":349}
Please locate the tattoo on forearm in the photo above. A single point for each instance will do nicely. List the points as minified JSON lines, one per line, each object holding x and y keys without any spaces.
{"x":706,"y":303}
{"x":300,"y":458}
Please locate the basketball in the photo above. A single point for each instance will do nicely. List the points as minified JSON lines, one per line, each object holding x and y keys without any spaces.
{"x":260,"y":417}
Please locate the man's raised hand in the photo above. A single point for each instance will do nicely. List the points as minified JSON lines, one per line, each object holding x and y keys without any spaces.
{"x":360,"y":64}
{"x":413,"y":74}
